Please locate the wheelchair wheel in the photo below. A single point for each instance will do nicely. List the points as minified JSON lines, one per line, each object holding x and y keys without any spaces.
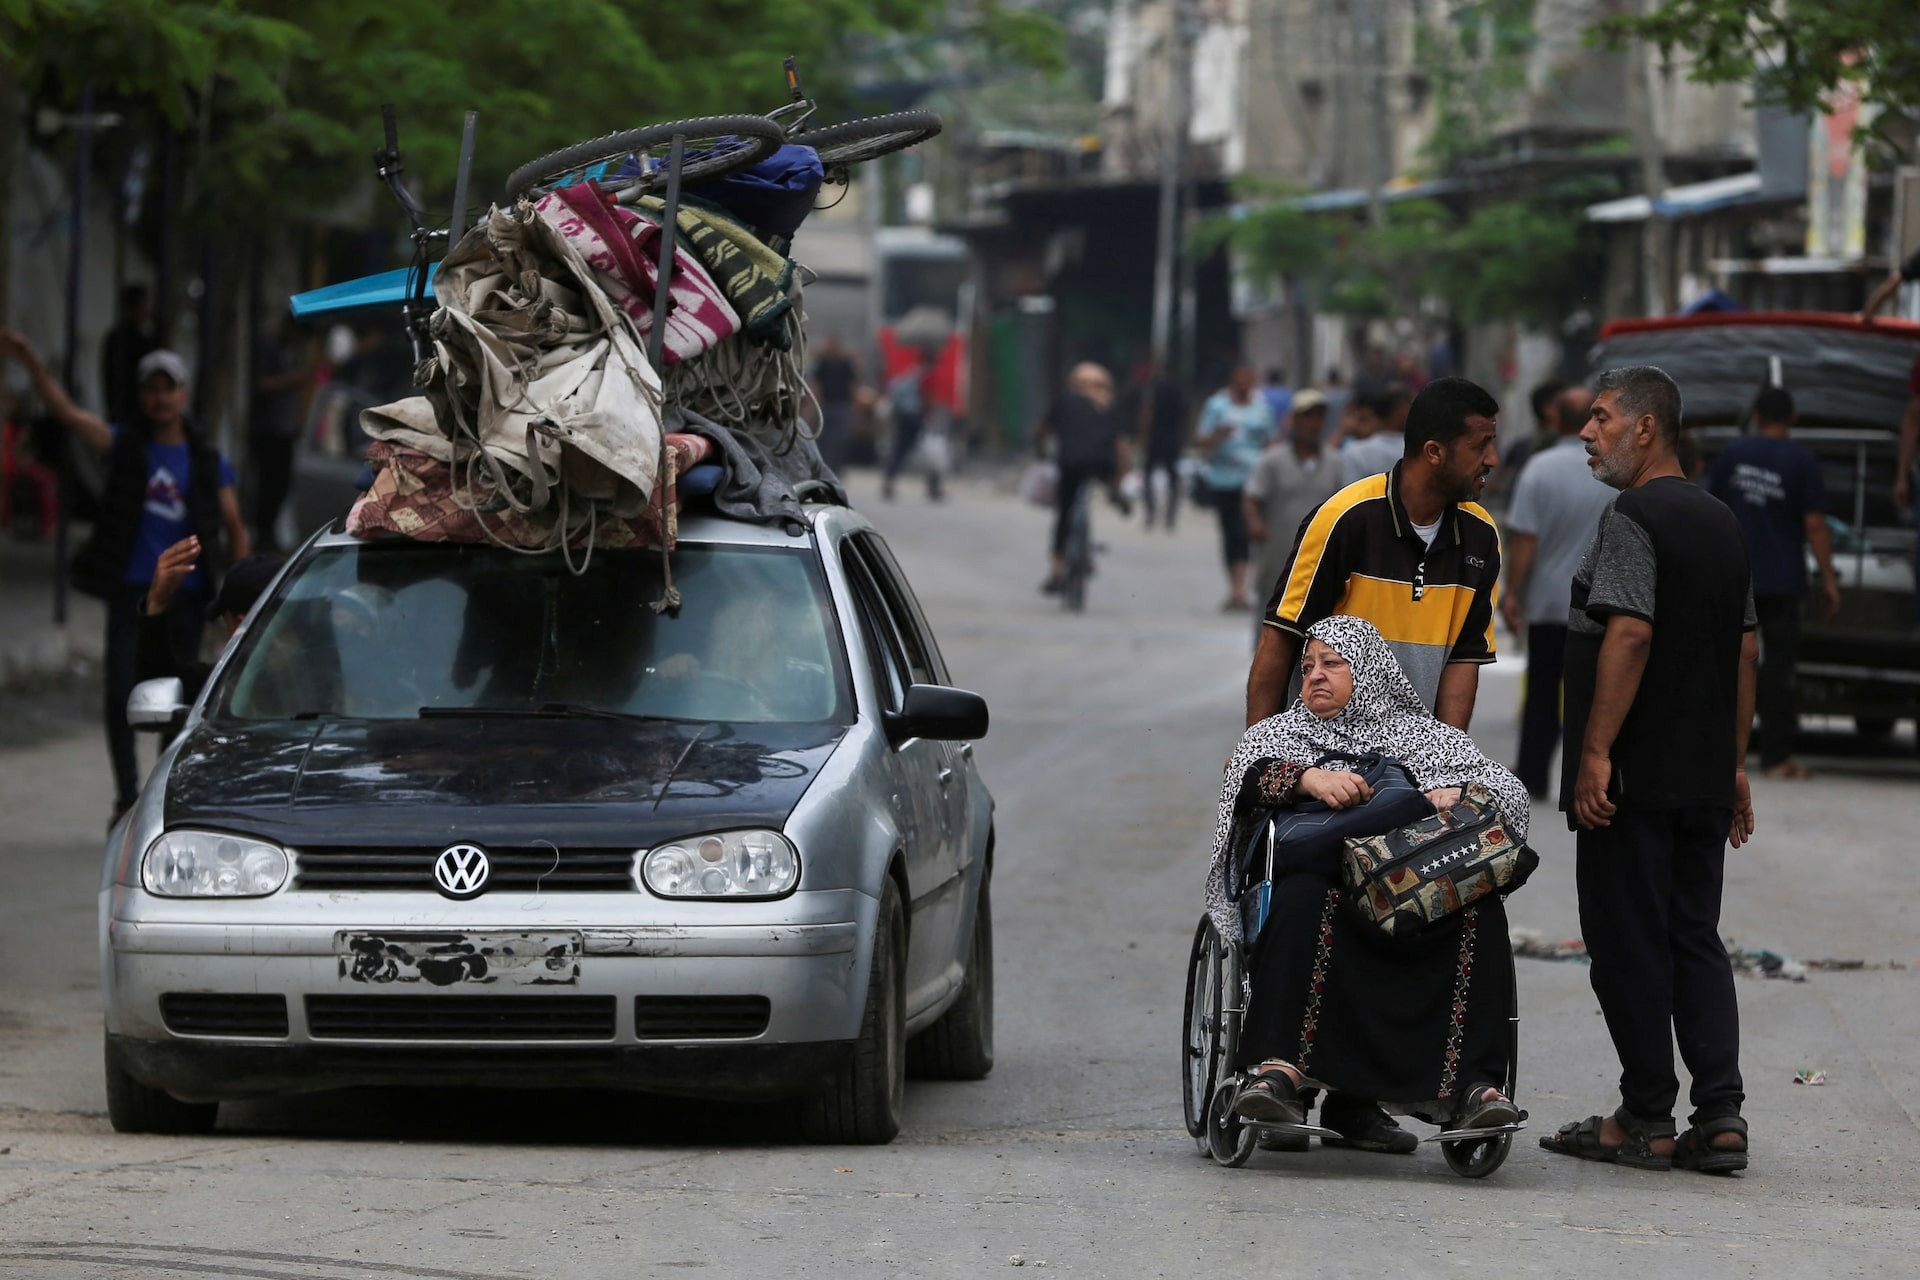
{"x":716,"y":146}
{"x":1477,"y":1157}
{"x":1228,"y":1140}
{"x":1200,"y":1031}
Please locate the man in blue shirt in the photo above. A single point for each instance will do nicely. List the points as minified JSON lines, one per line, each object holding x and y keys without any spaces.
{"x":164,"y":483}
{"x":1775,"y":491}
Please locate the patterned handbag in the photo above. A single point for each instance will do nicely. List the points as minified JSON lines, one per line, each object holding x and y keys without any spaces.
{"x":1308,"y":836}
{"x":1409,"y":880}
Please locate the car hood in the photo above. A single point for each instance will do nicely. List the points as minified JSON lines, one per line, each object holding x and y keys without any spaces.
{"x":575,"y":781}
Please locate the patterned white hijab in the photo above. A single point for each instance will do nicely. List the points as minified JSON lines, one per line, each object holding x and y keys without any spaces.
{"x":1384,"y":715}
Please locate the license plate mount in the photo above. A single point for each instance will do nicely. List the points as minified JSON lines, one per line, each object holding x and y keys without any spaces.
{"x":445,"y":958}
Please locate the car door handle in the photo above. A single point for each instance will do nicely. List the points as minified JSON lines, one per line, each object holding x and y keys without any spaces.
{"x":946,"y":777}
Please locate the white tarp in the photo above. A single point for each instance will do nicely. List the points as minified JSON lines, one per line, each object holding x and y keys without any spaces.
{"x":538,"y":391}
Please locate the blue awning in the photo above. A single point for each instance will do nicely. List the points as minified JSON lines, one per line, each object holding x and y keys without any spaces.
{"x":388,"y":290}
{"x":1681,"y":202}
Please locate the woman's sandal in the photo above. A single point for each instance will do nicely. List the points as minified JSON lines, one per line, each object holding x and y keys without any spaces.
{"x":1270,"y":1097}
{"x":1581,"y":1140}
{"x":1486,"y":1107}
{"x":1695,"y":1150}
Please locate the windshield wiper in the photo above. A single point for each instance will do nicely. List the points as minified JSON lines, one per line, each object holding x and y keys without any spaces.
{"x":545,"y":711}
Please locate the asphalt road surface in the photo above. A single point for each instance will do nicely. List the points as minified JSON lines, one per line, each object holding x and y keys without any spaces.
{"x":1109,"y":729}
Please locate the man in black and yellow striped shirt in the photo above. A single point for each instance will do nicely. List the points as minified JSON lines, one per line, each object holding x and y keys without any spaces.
{"x":1411,"y":551}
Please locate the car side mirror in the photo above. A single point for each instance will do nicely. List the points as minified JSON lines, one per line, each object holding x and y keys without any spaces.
{"x":157,"y":704}
{"x":938,"y":714}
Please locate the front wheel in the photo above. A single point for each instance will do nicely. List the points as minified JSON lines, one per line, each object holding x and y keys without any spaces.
{"x":867,"y":1097}
{"x":1477,"y":1157}
{"x":133,"y":1107}
{"x":960,"y":1045}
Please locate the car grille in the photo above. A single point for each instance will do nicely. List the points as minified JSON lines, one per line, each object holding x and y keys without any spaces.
{"x":409,"y":869}
{"x":206,"y":1013}
{"x":700,"y":1017}
{"x":444,"y":1017}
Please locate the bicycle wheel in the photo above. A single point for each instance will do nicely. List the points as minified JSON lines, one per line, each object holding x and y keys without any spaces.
{"x":1079,"y":556}
{"x":716,"y":145}
{"x":869,"y":138}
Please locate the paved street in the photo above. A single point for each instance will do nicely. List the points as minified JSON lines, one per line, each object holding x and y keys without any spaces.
{"x":1108,"y":733}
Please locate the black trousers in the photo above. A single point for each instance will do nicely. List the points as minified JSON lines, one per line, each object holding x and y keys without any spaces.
{"x":1234,"y":544}
{"x":1074,"y":476}
{"x":1779,"y":647}
{"x":272,"y":481}
{"x":1168,"y":461}
{"x":906,"y":434}
{"x":1540,"y":718}
{"x":186,"y":618}
{"x":1650,"y":912}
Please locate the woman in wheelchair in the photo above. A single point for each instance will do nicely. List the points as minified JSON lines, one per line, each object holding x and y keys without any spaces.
{"x":1332,"y":1003}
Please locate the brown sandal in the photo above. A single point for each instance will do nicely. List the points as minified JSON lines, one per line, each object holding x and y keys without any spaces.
{"x":1694,"y":1149}
{"x":1270,"y":1097}
{"x":1581,"y":1140}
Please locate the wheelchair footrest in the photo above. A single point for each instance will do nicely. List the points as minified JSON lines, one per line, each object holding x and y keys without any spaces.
{"x":1469,"y":1135}
{"x":1264,"y":1129}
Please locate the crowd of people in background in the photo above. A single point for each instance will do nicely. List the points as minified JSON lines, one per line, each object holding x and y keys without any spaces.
{"x":1264,"y":454}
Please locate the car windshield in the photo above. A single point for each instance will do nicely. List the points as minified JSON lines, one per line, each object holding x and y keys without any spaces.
{"x":399,"y":630}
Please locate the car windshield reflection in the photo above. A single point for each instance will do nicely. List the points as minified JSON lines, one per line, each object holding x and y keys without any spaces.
{"x":404,"y":630}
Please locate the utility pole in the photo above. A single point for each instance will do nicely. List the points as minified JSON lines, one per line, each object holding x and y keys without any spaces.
{"x":1373,"y":50}
{"x":1655,"y":230}
{"x":1173,"y":177}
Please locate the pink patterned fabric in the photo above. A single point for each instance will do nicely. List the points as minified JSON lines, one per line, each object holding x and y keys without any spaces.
{"x":415,"y":496}
{"x":623,"y":249}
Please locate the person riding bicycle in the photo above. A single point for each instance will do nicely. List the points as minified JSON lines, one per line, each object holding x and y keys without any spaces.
{"x":1093,"y":445}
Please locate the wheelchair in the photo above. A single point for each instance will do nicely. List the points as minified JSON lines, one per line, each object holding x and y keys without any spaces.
{"x":1216,"y":1001}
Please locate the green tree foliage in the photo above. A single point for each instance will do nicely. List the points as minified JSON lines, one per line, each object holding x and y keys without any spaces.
{"x":282,"y":102}
{"x":1273,"y":237}
{"x":1519,"y":258}
{"x":1475,"y":60}
{"x":1795,"y":53}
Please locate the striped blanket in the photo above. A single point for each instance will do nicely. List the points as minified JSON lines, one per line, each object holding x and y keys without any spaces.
{"x":623,"y":248}
{"x":755,"y":276}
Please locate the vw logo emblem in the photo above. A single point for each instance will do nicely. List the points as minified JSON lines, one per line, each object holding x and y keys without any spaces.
{"x":461,"y":870}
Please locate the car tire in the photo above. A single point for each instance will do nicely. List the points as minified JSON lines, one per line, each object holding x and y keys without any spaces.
{"x":960,"y":1045}
{"x":866,"y":1099}
{"x":133,"y":1107}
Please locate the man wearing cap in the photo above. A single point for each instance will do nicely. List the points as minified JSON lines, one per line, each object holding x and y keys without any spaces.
{"x":164,"y":483}
{"x":1292,"y":477}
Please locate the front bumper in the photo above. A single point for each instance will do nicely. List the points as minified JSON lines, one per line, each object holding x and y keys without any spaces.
{"x":807,"y":956}
{"x":207,"y":1070}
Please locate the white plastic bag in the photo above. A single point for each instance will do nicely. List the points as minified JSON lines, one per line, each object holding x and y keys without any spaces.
{"x":1040,"y":483}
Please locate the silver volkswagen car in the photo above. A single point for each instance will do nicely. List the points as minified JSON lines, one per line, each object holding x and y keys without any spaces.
{"x":453,"y":813}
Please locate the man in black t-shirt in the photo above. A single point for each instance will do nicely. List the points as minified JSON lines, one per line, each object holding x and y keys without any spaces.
{"x":836,"y":380}
{"x":1091,"y":445}
{"x":1163,"y":435}
{"x":1660,"y":673}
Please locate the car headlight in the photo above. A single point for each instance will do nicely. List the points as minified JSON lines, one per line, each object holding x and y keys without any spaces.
{"x":212,"y":864}
{"x":729,"y":864}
